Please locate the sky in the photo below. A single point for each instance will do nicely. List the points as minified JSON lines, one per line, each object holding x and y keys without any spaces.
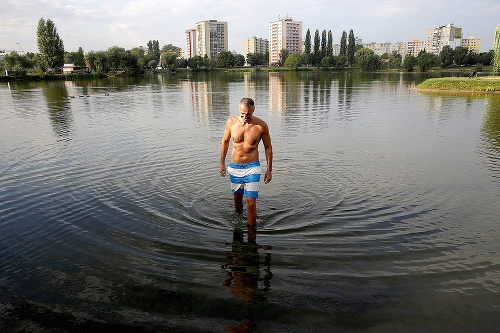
{"x":96,"y":25}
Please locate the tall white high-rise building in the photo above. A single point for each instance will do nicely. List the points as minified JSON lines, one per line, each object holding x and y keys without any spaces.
{"x":211,"y":38}
{"x":284,"y":34}
{"x":438,"y":37}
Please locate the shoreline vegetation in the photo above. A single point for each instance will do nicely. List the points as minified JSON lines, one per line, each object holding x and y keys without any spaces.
{"x":484,"y":84}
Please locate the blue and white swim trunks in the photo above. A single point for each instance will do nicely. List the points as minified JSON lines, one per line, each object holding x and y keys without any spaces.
{"x":245,"y":178}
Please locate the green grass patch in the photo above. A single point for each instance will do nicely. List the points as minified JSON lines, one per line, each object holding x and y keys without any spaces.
{"x":480,"y":84}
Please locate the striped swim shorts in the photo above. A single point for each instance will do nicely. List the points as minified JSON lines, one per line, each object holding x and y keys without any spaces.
{"x":245,"y":178}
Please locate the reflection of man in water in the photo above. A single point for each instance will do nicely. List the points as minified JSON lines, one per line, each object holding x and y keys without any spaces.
{"x":243,"y":269}
{"x":246,"y":131}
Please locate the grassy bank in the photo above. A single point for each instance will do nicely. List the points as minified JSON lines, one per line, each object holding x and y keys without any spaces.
{"x":489,"y":84}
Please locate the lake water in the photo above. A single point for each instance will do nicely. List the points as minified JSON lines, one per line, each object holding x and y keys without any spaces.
{"x":382,"y":214}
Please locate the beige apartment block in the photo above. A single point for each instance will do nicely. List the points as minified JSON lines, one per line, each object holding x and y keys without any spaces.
{"x":414,"y":47}
{"x":211,"y":38}
{"x":284,"y":34}
{"x":472,"y":44}
{"x":255,"y":45}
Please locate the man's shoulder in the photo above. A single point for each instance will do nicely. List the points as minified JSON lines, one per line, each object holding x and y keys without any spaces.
{"x":260,"y":122}
{"x":232,"y":120}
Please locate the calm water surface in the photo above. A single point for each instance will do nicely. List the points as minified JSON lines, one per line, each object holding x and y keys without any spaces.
{"x":382,"y":214}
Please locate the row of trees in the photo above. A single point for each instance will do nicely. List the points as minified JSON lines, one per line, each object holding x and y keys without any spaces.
{"x":367,"y":60}
{"x":321,"y":52}
{"x":117,"y":58}
{"x":52,"y":55}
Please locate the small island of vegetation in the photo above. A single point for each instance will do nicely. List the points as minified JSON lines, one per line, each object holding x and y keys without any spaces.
{"x":485,"y":84}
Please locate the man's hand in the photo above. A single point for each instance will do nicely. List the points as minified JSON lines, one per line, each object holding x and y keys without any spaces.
{"x":268,"y":177}
{"x":222,"y":170}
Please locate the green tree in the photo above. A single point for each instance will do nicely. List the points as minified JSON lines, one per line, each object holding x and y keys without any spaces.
{"x":118,"y":58}
{"x":19,"y":65}
{"x":384,"y":59}
{"x":323,"y":44}
{"x":77,"y":58}
{"x":154,"y":50}
{"x":152,"y":63}
{"x":446,"y":56}
{"x":486,"y":58}
{"x":351,"y":48}
{"x":293,"y":61}
{"x":460,"y":55}
{"x":339,"y":62}
{"x":253,"y":59}
{"x":207,"y":62}
{"x":395,"y":59}
{"x":171,"y":48}
{"x":181,"y":63}
{"x":168,"y":60}
{"x":50,"y":44}
{"x":316,"y":54}
{"x":409,"y":62}
{"x":38,"y":64}
{"x":307,"y":48}
{"x":225,"y":59}
{"x":283,"y":56}
{"x":139,"y":55}
{"x":496,"y":57}
{"x":367,"y":60}
{"x":472,"y":58}
{"x":239,"y":60}
{"x":195,"y":62}
{"x":265,"y":58}
{"x":426,"y":61}
{"x":80,"y":57}
{"x":97,"y":61}
{"x":326,"y":62}
{"x":329,"y":46}
{"x":343,"y":44}
{"x":496,"y":62}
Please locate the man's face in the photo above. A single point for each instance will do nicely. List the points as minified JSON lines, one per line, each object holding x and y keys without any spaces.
{"x":246,"y":113}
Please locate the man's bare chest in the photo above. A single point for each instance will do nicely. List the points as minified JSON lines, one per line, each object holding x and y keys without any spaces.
{"x":248,"y":134}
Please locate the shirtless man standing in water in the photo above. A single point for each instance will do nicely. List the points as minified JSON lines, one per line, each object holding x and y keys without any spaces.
{"x":246,"y":131}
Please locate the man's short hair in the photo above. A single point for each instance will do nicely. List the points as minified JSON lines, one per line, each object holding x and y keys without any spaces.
{"x":248,"y":102}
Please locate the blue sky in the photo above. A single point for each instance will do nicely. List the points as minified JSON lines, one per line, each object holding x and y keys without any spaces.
{"x":97,"y":25}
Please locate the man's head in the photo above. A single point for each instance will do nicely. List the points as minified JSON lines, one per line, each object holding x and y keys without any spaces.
{"x":247,"y":107}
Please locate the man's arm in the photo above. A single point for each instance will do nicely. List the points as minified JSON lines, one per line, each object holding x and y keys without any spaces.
{"x":224,"y":148}
{"x":266,"y":139}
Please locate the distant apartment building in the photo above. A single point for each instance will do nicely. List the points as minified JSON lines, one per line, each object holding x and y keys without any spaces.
{"x":414,"y":48}
{"x":190,"y":43}
{"x":284,"y":34}
{"x":211,"y":38}
{"x":472,"y":44}
{"x":255,"y":45}
{"x":438,"y":37}
{"x":382,"y":48}
{"x":336,"y":46}
{"x":336,"y":49}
